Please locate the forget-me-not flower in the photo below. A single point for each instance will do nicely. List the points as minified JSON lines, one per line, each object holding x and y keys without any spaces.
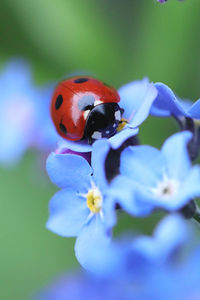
{"x":24,"y":115}
{"x":143,"y":253}
{"x":157,"y":179}
{"x":142,"y":263}
{"x":80,"y":209}
{"x":185,"y":112}
{"x":171,"y":233}
{"x":168,"y":104}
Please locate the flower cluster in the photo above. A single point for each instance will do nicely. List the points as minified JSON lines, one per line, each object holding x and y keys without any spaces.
{"x":25,"y":117}
{"x":114,"y":174}
{"x":147,"y":268}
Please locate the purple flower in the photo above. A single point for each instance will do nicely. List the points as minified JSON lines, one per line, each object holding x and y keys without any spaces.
{"x":164,"y":1}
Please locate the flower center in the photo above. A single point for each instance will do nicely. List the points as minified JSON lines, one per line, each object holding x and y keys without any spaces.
{"x":122,"y":124}
{"x":166,"y":189}
{"x":94,"y":200}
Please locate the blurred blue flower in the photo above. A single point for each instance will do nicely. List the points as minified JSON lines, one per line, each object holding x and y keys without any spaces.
{"x":81,"y":286}
{"x":78,"y":286}
{"x":25,"y":118}
{"x":46,"y":138}
{"x":143,"y":263}
{"x":136,"y":99}
{"x":171,"y":233}
{"x":180,"y":282}
{"x":80,"y":208}
{"x":141,"y":254}
{"x":156,"y":179}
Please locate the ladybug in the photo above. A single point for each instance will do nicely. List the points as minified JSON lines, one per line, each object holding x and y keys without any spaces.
{"x":85,"y":108}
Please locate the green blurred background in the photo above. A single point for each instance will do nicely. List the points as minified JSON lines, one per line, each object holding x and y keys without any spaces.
{"x":117,"y":41}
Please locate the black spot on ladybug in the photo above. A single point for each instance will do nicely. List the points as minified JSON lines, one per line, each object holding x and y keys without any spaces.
{"x":63,"y":128}
{"x":59,"y":101}
{"x":80,"y":80}
{"x":86,"y":102}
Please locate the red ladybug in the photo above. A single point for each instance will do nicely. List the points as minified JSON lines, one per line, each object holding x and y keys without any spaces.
{"x":85,"y":108}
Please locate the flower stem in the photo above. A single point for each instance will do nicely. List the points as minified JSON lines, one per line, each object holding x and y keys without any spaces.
{"x":197,"y":214}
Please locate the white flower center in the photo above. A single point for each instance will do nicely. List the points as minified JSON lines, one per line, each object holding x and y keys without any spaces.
{"x":166,"y":188}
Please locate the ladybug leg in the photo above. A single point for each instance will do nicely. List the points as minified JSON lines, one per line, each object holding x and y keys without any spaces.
{"x":121,"y":110}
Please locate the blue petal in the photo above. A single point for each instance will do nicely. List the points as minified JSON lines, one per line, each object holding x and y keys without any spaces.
{"x":68,"y":170}
{"x":99,"y":154}
{"x":176,"y":154}
{"x":17,"y":73}
{"x":143,"y":164}
{"x":185,"y":103}
{"x":124,"y":191}
{"x":78,"y":146}
{"x":189,"y":189}
{"x":169,"y":235}
{"x":119,"y":138}
{"x":109,"y":210}
{"x":90,"y":245}
{"x":166,"y":103}
{"x":68,"y":213}
{"x":26,"y":109}
{"x":143,"y":110}
{"x":194,"y":111}
{"x":46,"y":137}
{"x":14,"y":143}
{"x":132,"y":95}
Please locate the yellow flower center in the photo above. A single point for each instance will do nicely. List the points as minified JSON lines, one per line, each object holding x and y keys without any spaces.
{"x":94,"y":200}
{"x":122,"y":124}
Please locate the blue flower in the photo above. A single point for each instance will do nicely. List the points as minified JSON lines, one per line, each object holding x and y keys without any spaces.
{"x":157,"y":179}
{"x":24,"y":113}
{"x":81,"y":286}
{"x":45,"y":138}
{"x":80,"y":209}
{"x":167,"y":104}
{"x":185,"y":112}
{"x":142,"y":254}
{"x":169,"y":236}
{"x":136,"y":99}
{"x":142,"y":263}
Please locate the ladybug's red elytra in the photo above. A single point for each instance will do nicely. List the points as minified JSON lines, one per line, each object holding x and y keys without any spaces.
{"x":85,"y":108}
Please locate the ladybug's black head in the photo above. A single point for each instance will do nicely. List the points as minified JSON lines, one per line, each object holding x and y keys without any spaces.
{"x":102,"y":121}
